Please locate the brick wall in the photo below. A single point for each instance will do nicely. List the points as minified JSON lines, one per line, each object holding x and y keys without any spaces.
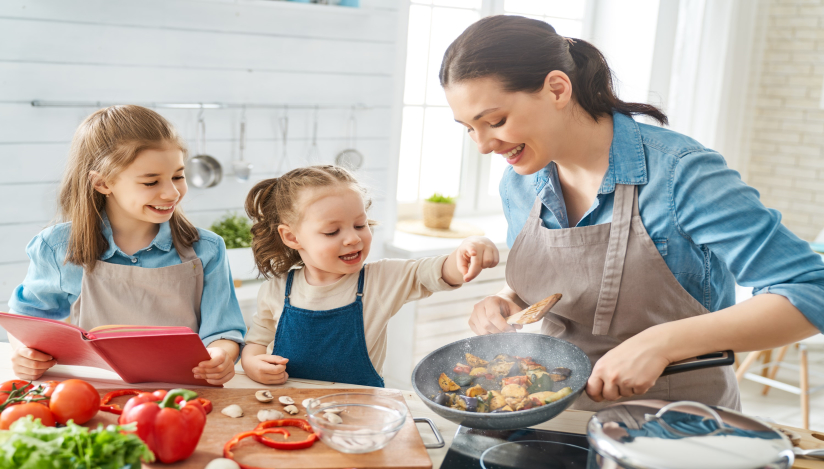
{"x":786,"y":162}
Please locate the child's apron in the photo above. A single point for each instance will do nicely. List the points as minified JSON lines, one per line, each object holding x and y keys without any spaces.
{"x":129,"y":295}
{"x":326,"y":345}
{"x":615,"y":284}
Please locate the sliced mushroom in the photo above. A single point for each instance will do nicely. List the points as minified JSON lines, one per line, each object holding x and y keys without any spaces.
{"x":233,"y":411}
{"x":269,"y":414}
{"x":332,"y":408}
{"x":307,"y":402}
{"x":333,"y":418}
{"x":222,"y":463}
{"x":291,"y":409}
{"x":286,"y":400}
{"x":264,"y":396}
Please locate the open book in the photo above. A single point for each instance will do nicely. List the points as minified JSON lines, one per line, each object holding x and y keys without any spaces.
{"x":137,"y":353}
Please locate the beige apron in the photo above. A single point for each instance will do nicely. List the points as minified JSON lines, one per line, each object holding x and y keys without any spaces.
{"x":615,"y":284}
{"x":123,"y":294}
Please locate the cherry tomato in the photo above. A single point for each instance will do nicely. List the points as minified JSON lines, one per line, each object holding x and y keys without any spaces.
{"x":6,"y":388}
{"x":11,"y":414}
{"x":47,"y":388}
{"x":74,"y":399}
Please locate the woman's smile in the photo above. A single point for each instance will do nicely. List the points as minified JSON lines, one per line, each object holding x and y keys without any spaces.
{"x":513,"y":155}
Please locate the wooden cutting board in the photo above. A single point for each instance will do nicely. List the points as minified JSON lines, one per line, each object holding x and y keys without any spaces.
{"x":404,"y":451}
{"x":810,"y":439}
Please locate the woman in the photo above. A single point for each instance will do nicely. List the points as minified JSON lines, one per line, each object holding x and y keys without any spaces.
{"x":642,"y":229}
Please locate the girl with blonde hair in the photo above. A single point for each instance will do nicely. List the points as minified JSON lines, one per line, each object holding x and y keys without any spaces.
{"x":324,"y":312}
{"x":125,"y":253}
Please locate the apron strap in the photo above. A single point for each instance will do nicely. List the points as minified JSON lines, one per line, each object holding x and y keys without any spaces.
{"x":360,"y":283}
{"x":289,"y":278}
{"x":625,"y":197}
{"x":186,"y":253}
{"x":536,"y":208}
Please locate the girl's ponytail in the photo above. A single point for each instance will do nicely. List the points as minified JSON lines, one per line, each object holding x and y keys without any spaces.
{"x":272,"y":256}
{"x":520,"y":52}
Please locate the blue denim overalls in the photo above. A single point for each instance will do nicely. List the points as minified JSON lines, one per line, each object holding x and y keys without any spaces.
{"x":326,"y":345}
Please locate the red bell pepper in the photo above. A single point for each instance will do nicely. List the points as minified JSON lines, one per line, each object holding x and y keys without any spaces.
{"x":143,"y":397}
{"x":170,"y":430}
{"x":230,"y":445}
{"x":299,"y":423}
{"x":114,"y":408}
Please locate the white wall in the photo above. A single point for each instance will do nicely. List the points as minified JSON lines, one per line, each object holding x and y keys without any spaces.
{"x":253,"y":51}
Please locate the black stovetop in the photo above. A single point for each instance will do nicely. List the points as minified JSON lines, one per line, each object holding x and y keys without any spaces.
{"x":522,"y":449}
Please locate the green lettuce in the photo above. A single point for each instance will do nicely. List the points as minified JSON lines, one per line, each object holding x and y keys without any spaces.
{"x":30,"y":445}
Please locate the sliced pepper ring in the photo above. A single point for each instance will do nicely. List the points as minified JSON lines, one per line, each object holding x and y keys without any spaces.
{"x":114,"y":408}
{"x":230,"y":445}
{"x":298,"y":423}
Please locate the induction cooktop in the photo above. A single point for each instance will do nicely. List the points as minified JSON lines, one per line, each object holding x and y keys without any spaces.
{"x":522,"y":449}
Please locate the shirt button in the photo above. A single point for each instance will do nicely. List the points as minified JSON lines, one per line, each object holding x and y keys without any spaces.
{"x":149,"y":249}
{"x":134,"y":260}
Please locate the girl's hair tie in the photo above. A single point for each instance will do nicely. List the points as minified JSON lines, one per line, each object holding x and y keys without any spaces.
{"x":571,"y":41}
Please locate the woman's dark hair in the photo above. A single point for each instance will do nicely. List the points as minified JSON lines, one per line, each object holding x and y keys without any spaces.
{"x":520,"y":52}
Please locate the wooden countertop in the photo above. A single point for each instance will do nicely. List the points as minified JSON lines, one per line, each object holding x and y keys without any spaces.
{"x":570,"y":421}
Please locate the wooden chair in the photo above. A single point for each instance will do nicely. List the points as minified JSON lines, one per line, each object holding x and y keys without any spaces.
{"x":770,"y":370}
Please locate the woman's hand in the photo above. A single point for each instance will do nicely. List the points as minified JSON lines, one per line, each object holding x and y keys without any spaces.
{"x":629,"y":369}
{"x":489,"y":316}
{"x":218,"y":370}
{"x":466,"y":262}
{"x":30,"y":364}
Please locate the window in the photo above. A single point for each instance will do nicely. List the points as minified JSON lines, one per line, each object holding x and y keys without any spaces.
{"x":436,"y":154}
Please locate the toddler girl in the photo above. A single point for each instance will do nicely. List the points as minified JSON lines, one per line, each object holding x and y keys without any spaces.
{"x":327,"y":319}
{"x":126,"y":254}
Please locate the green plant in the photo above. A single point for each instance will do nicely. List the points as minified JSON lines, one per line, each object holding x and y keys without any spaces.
{"x":235,"y":230}
{"x":439,"y":198}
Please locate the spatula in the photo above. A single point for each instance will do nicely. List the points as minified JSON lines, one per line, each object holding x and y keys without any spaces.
{"x":535,"y":312}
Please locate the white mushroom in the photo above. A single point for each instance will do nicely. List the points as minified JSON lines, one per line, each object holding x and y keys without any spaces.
{"x":222,"y":463}
{"x":333,"y":410}
{"x":264,"y":396}
{"x":286,"y":400}
{"x":291,"y":409}
{"x":233,"y":411}
{"x":333,"y":418}
{"x":307,"y":402}
{"x":269,"y":414}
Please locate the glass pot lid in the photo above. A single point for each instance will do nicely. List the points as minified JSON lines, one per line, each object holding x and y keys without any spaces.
{"x":685,"y":435}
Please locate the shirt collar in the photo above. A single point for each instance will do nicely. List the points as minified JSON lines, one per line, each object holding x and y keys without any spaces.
{"x":627,"y":163}
{"x":162,"y":241}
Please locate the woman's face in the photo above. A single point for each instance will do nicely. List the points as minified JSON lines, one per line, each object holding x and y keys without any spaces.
{"x":524,"y":128}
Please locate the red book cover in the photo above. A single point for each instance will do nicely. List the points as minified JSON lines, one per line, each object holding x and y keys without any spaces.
{"x":137,"y":353}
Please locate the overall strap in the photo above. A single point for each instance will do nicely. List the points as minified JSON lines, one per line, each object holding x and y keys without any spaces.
{"x":625,"y":196}
{"x":289,"y":278}
{"x":360,"y":283}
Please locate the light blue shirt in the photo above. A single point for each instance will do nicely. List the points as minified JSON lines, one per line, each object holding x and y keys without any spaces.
{"x":52,"y":286}
{"x":711,"y":228}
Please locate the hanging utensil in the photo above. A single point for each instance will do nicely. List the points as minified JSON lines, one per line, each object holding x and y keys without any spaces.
{"x":203,"y":170}
{"x":350,"y":158}
{"x":242,"y":169}
{"x":313,"y":156}
{"x":283,"y":123}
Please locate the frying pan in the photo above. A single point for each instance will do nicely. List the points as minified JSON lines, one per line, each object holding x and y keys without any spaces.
{"x":544,"y":349}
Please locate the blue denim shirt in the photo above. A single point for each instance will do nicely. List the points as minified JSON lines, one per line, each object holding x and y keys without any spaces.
{"x":711,"y":228}
{"x":52,"y":286}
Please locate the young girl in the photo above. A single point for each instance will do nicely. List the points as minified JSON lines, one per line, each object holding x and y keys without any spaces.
{"x":327,"y":320}
{"x":127,"y":254}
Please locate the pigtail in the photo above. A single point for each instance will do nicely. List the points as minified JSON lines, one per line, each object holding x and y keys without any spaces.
{"x":272,"y":256}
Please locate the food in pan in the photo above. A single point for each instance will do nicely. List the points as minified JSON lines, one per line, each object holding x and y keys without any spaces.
{"x":504,"y":384}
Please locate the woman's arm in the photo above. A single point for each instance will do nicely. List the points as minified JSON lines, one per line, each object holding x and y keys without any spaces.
{"x":489,"y":315}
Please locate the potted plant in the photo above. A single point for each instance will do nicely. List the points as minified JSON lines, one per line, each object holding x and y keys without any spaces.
{"x":438,"y":211}
{"x":236,"y":232}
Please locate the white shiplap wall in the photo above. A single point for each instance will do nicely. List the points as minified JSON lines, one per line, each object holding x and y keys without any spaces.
{"x":253,"y":51}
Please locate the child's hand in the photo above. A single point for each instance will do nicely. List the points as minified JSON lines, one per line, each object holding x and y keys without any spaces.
{"x":475,"y":254}
{"x":30,"y":364}
{"x":218,"y":370}
{"x":266,"y":369}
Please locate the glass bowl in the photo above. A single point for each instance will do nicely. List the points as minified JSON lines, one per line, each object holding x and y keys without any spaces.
{"x":368,"y":421}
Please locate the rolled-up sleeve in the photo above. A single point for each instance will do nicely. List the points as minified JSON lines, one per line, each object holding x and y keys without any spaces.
{"x":220,"y":316}
{"x":41,"y":293}
{"x":713,"y":207}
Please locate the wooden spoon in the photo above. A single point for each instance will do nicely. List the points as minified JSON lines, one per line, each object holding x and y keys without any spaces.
{"x":535,"y":312}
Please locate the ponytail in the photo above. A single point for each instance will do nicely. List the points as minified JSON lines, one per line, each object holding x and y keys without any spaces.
{"x":520,"y":52}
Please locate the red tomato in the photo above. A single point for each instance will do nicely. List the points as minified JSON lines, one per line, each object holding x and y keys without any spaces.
{"x":21,"y":410}
{"x":74,"y":399}
{"x":6,"y":387}
{"x":48,"y":389}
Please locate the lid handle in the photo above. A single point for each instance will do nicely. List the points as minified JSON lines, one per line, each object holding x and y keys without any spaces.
{"x":658,"y":417}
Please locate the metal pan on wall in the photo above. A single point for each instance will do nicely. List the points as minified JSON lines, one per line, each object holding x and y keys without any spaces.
{"x":544,"y":349}
{"x":203,"y":170}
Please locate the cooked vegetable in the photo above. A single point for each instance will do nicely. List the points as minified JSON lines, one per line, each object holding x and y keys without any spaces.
{"x":545,"y":396}
{"x":500,"y":368}
{"x":30,"y":444}
{"x":496,"y":401}
{"x":475,"y":361}
{"x":519,"y":380}
{"x":560,"y":374}
{"x":463,"y":380}
{"x":441,"y":399}
{"x":479,"y":371}
{"x":540,"y":381}
{"x":476,"y":391}
{"x":74,"y":399}
{"x":561,"y":394}
{"x":460,"y":368}
{"x":447,"y":384}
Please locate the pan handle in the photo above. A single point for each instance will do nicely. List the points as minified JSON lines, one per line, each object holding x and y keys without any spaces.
{"x":439,"y":443}
{"x":700,"y":362}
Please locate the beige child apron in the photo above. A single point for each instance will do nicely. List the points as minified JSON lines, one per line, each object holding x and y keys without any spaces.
{"x":615,"y":284}
{"x":122,"y":294}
